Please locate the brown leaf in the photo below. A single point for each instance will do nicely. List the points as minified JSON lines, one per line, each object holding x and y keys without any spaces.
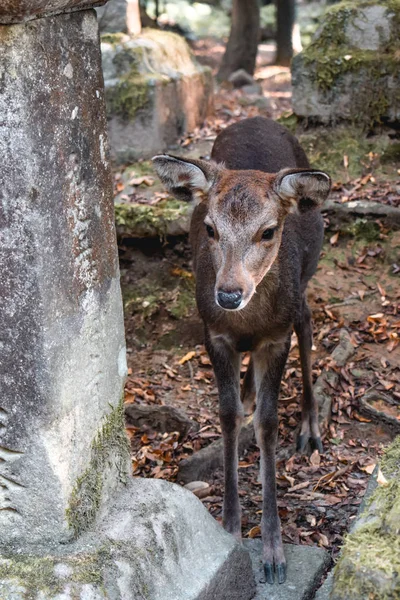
{"x":315,"y":459}
{"x":187,"y":357}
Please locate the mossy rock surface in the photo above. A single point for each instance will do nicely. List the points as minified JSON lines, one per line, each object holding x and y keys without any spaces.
{"x":168,"y":217}
{"x":155,"y":92}
{"x":369,"y":566}
{"x":351,"y":69}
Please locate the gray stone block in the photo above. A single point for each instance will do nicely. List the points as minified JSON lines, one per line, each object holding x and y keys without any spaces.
{"x":62,"y":350}
{"x":156,"y":541}
{"x":324,"y":592}
{"x":350,"y":70}
{"x":155,"y":92}
{"x":26,"y":10}
{"x":305,"y":567}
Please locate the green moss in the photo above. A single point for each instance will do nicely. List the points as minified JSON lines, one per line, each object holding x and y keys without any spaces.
{"x":143,"y":220}
{"x":37,"y":573}
{"x":363,"y":229}
{"x":369,"y":566}
{"x":184,"y":300}
{"x":128,"y":96}
{"x":391,"y":154}
{"x":290,"y":121}
{"x":327,"y":147}
{"x":109,"y":449}
{"x":330,"y":57}
{"x":113,"y":38}
{"x":390,"y":463}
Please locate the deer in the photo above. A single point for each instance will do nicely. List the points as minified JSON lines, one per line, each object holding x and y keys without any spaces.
{"x":256,"y":235}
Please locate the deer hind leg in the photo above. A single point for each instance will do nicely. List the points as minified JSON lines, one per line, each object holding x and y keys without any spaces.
{"x":248,"y":391}
{"x":309,"y":406}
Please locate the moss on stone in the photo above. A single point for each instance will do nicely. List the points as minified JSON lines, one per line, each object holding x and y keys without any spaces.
{"x":109,"y":449}
{"x":390,"y":463}
{"x":369,"y":566}
{"x":128,"y":96}
{"x":330,"y":58}
{"x":144,"y":220}
{"x":363,"y":229}
{"x":39,"y":573}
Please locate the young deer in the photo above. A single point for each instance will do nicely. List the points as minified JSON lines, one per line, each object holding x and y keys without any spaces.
{"x":256,"y":234}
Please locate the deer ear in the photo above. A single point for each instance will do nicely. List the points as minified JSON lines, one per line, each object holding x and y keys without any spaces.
{"x":304,"y":188}
{"x":185,"y":179}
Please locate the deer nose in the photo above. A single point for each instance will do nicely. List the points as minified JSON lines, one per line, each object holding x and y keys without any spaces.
{"x":229,"y":300}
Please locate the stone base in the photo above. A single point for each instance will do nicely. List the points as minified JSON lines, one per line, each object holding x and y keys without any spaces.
{"x":155,"y":92}
{"x":305,"y":567}
{"x":156,"y":543}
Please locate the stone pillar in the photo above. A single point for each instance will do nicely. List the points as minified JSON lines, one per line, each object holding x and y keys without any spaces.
{"x":73,"y":524}
{"x":62,"y":355}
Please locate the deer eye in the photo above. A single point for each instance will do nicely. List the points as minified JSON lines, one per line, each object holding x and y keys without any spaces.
{"x":210,"y":231}
{"x":268,"y":234}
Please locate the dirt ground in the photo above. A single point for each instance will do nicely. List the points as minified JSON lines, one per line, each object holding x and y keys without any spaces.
{"x":356,"y":286}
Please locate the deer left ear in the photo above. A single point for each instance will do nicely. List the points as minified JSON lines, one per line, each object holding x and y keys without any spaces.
{"x":305,"y":188}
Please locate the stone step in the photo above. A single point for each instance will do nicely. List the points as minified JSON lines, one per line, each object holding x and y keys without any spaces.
{"x":306,"y":566}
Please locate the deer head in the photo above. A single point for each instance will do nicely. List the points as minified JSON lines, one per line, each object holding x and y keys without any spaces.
{"x":246,"y":211}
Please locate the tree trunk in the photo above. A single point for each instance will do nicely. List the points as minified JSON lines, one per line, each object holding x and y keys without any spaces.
{"x":285,"y":17}
{"x":241,"y":50}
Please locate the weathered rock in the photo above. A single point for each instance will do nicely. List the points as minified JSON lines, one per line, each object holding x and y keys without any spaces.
{"x":208,"y":459}
{"x":369,"y":566}
{"x":350,"y":70}
{"x":63,"y":346}
{"x":240,"y":78}
{"x":12,"y":11}
{"x":166,"y":218}
{"x":119,"y":16}
{"x":159,"y":418}
{"x":201,"y":489}
{"x":112,"y":17}
{"x":305,"y":567}
{"x":157,"y":542}
{"x":155,"y":92}
{"x":324,"y":592}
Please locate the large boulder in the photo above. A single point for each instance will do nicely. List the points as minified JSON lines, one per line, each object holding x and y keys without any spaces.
{"x":351,"y":71}
{"x":155,"y":92}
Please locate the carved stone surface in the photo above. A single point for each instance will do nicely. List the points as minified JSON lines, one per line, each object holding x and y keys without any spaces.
{"x":62,"y":358}
{"x":18,"y":11}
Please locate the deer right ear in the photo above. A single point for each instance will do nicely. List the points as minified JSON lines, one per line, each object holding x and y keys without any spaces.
{"x":185,"y":179}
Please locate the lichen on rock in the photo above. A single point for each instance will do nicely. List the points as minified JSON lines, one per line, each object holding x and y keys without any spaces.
{"x":168,"y":217}
{"x":369,"y":566}
{"x":351,"y":69}
{"x":109,"y":450}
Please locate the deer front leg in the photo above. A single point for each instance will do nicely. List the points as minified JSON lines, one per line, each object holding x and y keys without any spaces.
{"x":269,"y":364}
{"x":309,"y":405}
{"x":226,"y":363}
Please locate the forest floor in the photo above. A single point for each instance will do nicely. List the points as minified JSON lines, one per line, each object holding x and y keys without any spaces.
{"x":356,"y":287}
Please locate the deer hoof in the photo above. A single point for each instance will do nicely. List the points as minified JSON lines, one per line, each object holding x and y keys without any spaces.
{"x":281,"y":573}
{"x":302,"y":442}
{"x":316,"y":444}
{"x":269,"y":572}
